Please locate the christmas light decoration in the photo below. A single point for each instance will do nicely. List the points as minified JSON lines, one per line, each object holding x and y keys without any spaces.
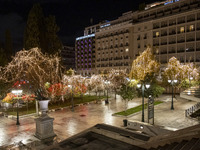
{"x":144,"y":65}
{"x":33,"y":66}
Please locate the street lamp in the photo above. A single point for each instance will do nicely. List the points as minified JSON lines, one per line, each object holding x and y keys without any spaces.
{"x":143,"y":88}
{"x":17,"y":92}
{"x":72,"y":97}
{"x":172,"y":82}
{"x":107,"y":83}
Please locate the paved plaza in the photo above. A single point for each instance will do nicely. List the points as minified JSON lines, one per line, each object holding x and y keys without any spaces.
{"x":69,"y":123}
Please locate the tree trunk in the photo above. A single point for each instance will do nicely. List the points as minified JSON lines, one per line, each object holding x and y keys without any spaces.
{"x":115,"y":94}
{"x":27,"y":107}
{"x":99,"y":94}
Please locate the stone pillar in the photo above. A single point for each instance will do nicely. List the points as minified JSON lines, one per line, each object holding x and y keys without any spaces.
{"x":44,"y":127}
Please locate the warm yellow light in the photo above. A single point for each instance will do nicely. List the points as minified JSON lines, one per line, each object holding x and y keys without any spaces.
{"x":191,"y":27}
{"x":157,"y":34}
{"x":182,"y":29}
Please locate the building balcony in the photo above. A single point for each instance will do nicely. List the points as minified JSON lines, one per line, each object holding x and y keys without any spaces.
{"x":155,"y":36}
{"x":156,"y":44}
{"x":190,"y":19}
{"x":160,"y":14}
{"x":156,"y":27}
{"x":163,"y":43}
{"x":164,"y":52}
{"x":172,"y":33}
{"x":170,"y":52}
{"x":194,"y":5}
{"x":175,"y":10}
{"x":173,"y":23}
{"x":181,"y":21}
{"x":172,"y":42}
{"x":190,"y":40}
{"x":180,"y":51}
{"x":190,"y":50}
{"x":184,"y":7}
{"x":163,"y":25}
{"x":188,"y":30}
{"x":164,"y":34}
{"x":168,"y":12}
{"x":180,"y":41}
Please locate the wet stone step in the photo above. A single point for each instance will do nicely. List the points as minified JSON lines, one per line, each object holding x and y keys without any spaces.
{"x":196,"y":146}
{"x":189,"y":144}
{"x":123,"y":132}
{"x":171,"y":146}
{"x":180,"y":145}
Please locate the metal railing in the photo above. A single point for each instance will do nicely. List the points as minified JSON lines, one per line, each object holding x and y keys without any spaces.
{"x":192,"y":109}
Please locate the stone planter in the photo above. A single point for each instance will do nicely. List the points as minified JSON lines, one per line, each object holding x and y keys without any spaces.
{"x":44,"y":124}
{"x":44,"y":106}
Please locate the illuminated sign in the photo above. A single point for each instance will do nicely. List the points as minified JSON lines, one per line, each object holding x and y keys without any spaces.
{"x":105,"y":25}
{"x":169,"y":2}
{"x":83,"y":37}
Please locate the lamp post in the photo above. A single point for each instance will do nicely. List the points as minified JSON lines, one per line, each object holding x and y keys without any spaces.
{"x":143,"y":88}
{"x":17,"y":92}
{"x":72,"y":98}
{"x":172,"y":82}
{"x":107,"y":83}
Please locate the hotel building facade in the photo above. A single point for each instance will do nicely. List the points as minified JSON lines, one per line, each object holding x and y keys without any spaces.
{"x":172,"y":28}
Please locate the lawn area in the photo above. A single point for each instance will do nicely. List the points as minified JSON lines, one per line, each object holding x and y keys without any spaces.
{"x":135,"y":109}
{"x":32,"y":107}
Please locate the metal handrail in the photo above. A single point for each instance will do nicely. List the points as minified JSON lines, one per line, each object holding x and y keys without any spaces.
{"x":192,"y":109}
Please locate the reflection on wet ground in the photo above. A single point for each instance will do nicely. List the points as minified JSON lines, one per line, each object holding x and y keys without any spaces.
{"x":68,"y":123}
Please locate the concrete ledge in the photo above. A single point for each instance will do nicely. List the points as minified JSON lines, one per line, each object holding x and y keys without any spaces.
{"x":188,"y":97}
{"x":146,"y":128}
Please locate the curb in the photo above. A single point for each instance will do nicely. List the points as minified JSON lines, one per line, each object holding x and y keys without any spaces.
{"x":126,"y":116}
{"x":132,"y":114}
{"x":53,"y":110}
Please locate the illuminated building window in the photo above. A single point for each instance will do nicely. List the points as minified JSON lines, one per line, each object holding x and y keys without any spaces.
{"x":191,"y":27}
{"x":182,"y":29}
{"x":126,"y":49}
{"x":157,"y":34}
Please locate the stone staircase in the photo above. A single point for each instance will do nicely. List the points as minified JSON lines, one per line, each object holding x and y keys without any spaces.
{"x":184,"y":139}
{"x":193,"y":144}
{"x":192,"y":93}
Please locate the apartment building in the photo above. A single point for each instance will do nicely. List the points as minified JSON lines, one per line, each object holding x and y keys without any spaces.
{"x":172,"y":28}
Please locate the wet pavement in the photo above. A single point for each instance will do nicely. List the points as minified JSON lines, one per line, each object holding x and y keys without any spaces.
{"x":68,"y":123}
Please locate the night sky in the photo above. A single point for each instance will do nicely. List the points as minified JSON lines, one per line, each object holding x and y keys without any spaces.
{"x":72,"y":16}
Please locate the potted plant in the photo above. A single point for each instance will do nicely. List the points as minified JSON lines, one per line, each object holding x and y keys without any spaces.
{"x":9,"y":100}
{"x":43,"y":99}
